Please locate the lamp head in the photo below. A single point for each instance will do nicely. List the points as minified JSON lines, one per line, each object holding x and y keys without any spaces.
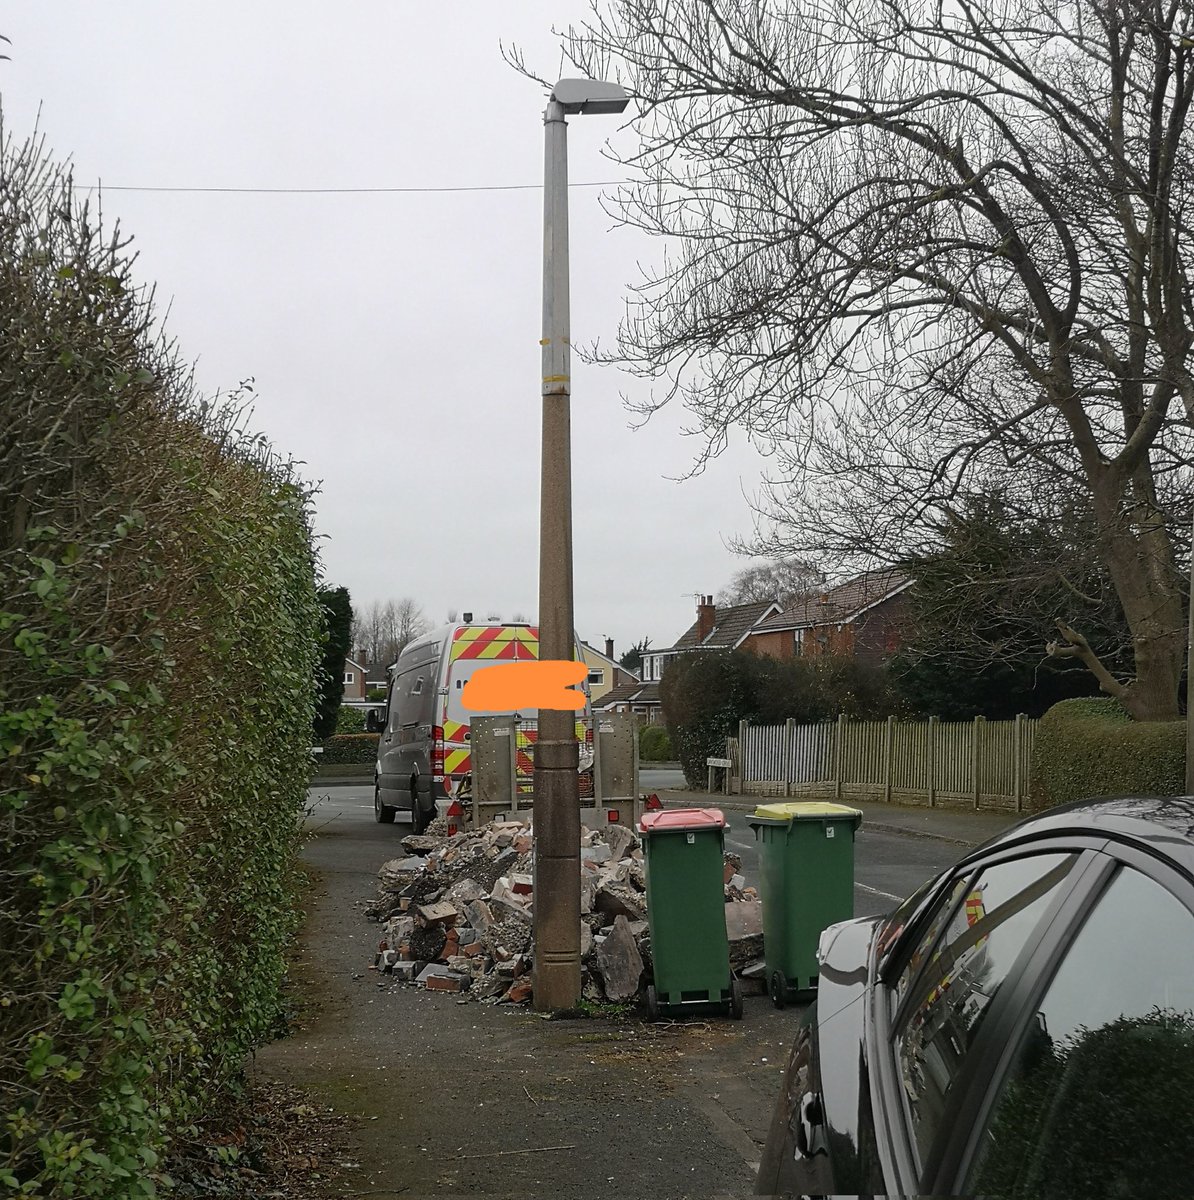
{"x":590,"y":96}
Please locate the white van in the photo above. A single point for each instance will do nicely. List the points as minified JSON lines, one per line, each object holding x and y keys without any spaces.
{"x":423,"y":753}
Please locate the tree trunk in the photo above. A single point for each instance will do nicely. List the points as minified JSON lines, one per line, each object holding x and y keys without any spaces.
{"x":1142,"y":566}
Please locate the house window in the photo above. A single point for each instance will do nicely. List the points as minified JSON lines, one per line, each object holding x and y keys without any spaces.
{"x":350,"y":677}
{"x":596,"y":676}
{"x":798,"y":643}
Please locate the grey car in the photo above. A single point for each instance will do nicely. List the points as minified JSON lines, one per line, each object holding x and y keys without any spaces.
{"x":1023,"y":1026}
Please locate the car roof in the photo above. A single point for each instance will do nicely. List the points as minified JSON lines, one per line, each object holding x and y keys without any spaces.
{"x":1162,"y":825}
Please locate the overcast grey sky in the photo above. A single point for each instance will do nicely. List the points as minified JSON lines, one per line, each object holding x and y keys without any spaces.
{"x":393,"y":338}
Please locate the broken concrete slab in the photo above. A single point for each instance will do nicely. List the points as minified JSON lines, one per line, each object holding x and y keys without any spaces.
{"x":743,"y":919}
{"x":479,"y":915}
{"x":588,"y":892}
{"x":463,"y":891}
{"x":420,"y":843}
{"x":621,"y":841}
{"x":620,"y":899}
{"x":398,"y":872}
{"x":440,"y":913}
{"x":430,"y":971}
{"x":619,"y":963}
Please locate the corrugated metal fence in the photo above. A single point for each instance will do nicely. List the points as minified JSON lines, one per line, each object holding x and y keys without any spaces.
{"x":983,"y":763}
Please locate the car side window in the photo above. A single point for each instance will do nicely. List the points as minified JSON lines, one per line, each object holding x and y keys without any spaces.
{"x":1098,"y":1099}
{"x":928,"y":940}
{"x":946,"y":1002}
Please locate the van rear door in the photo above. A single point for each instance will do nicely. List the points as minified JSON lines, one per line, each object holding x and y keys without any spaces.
{"x":474,"y":647}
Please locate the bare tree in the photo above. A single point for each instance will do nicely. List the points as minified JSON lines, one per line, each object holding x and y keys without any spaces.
{"x":783,"y":579}
{"x":920,"y":249}
{"x":382,"y":631}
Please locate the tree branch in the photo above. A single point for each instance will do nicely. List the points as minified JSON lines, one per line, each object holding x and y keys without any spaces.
{"x":1076,"y":646}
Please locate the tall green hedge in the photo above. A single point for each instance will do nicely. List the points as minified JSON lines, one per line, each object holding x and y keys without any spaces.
{"x":343,"y":748}
{"x":158,"y":640}
{"x":654,"y":745}
{"x":1092,"y":747}
{"x":350,"y":720}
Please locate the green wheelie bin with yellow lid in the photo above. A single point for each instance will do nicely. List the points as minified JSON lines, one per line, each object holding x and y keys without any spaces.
{"x":806,"y":883}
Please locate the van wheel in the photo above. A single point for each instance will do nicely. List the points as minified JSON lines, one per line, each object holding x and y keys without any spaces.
{"x":418,"y":819}
{"x":383,"y":814}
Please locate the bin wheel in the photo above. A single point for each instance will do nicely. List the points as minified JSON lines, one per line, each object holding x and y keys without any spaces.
{"x":735,"y":1000}
{"x":779,"y":989}
{"x":652,"y":1003}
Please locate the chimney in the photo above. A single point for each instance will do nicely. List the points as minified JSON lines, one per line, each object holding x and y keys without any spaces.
{"x":609,"y":647}
{"x":706,"y":618}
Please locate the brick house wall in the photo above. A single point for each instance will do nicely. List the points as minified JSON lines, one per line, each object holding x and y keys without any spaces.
{"x":879,"y":630}
{"x":779,"y":643}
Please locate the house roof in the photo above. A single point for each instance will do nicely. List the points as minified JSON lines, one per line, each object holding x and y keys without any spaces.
{"x":629,"y":693}
{"x":839,"y":605}
{"x":730,"y":625}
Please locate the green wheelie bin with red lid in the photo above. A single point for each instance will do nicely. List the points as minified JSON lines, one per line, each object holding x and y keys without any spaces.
{"x":684,"y":857}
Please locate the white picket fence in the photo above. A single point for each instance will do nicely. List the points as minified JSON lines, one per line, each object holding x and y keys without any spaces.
{"x":982,"y":763}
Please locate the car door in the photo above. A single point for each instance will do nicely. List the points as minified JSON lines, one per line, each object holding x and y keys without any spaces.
{"x":946,"y":984}
{"x":1092,"y":1090}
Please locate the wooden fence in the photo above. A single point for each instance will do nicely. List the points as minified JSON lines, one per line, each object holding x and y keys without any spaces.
{"x":986,"y":764}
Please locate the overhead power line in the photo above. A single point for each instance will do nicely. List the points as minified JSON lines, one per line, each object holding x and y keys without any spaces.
{"x":344,"y":191}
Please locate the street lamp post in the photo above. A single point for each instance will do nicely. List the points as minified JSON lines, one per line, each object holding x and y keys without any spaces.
{"x":557,"y":795}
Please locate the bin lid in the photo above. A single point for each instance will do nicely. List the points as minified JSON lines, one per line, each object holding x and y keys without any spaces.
{"x":808,"y":810}
{"x":673,"y":819}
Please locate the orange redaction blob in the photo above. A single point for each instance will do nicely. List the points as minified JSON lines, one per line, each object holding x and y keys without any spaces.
{"x":545,"y":683}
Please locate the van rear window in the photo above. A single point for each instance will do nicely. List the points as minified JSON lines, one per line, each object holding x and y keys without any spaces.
{"x":461,"y":672}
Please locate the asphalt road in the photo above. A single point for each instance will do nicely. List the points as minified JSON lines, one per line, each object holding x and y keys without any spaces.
{"x":887,"y":866}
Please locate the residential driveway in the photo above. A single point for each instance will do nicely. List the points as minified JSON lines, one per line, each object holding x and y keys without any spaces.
{"x":458,"y":1098}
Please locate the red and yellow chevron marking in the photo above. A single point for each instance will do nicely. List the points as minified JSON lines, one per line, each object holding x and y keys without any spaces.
{"x":456,"y":762}
{"x":454,"y":731}
{"x":497,"y":643}
{"x":975,"y":909}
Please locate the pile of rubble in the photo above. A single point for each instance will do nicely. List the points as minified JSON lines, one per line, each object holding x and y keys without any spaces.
{"x":457,"y":913}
